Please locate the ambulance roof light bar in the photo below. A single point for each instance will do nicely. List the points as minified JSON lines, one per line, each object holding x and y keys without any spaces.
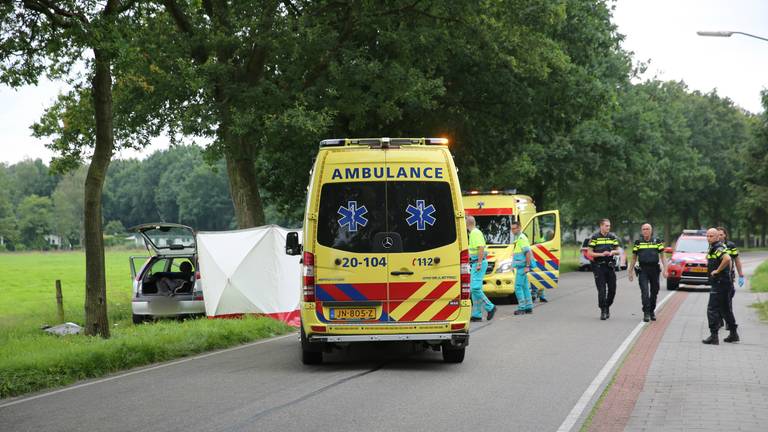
{"x":383,"y":142}
{"x":490,"y":192}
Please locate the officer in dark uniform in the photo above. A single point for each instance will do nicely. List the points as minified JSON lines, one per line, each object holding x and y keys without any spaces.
{"x":718,"y":266}
{"x":648,"y":251}
{"x":733,"y":251}
{"x":604,"y":245}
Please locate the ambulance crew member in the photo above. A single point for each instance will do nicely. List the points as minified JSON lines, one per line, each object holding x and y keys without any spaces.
{"x":603,"y":247}
{"x":648,"y":251}
{"x":718,"y":267}
{"x":733,"y":251}
{"x":478,"y":265}
{"x":521,"y":261}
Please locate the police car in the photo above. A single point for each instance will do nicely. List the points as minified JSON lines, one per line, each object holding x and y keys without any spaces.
{"x":688,"y":263}
{"x":385,"y":250}
{"x":494,"y":211}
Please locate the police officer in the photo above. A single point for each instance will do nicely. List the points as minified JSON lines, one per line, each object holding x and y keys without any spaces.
{"x":733,"y":251}
{"x":718,"y":266}
{"x":478,"y":265}
{"x":647,"y":252}
{"x":604,"y":245}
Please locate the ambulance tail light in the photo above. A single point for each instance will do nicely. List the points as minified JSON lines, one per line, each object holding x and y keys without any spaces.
{"x":308,"y":268}
{"x":465,"y":274}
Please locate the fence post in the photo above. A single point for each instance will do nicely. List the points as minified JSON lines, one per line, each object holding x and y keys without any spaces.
{"x":59,"y":301}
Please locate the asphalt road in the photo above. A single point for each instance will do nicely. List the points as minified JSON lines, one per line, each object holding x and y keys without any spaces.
{"x":520,"y":373}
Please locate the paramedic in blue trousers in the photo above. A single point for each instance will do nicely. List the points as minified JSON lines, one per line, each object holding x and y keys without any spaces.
{"x":478,"y":265}
{"x":521,"y":261}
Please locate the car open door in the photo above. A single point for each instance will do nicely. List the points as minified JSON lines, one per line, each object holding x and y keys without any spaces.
{"x":164,"y":238}
{"x":543,"y":231}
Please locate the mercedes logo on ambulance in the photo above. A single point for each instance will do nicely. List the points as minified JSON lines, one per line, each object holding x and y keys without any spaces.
{"x":387,"y":242}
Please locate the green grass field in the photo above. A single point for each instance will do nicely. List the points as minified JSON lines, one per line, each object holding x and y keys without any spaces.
{"x":569,"y":258}
{"x":759,"y":283}
{"x":32,"y":360}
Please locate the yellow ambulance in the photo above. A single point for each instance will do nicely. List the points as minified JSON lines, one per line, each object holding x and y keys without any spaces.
{"x":494,"y":211}
{"x":385,"y":250}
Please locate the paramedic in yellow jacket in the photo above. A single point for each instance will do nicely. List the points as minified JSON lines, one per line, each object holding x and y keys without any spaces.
{"x":521,"y":261}
{"x":478,"y":265}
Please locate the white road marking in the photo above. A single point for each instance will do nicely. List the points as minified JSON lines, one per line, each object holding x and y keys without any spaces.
{"x":583,"y":402}
{"x":135,"y":372}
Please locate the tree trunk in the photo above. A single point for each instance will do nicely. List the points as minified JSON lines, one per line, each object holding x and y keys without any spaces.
{"x":243,"y":185}
{"x":96,"y":321}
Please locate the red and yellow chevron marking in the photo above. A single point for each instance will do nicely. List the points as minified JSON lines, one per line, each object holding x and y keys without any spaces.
{"x":426,"y":303}
{"x":401,"y":301}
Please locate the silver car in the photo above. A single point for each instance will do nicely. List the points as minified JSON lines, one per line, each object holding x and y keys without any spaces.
{"x":167,"y":284}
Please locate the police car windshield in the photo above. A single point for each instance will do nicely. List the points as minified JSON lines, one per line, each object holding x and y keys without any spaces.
{"x":688,"y":244}
{"x":352,"y":213}
{"x":496,"y":229}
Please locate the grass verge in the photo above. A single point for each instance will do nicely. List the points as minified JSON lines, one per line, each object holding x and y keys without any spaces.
{"x":759,"y":283}
{"x":31,"y":360}
{"x":43,"y":361}
{"x":569,"y":258}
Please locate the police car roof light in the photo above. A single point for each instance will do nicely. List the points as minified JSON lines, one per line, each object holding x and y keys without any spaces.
{"x":695,"y":232}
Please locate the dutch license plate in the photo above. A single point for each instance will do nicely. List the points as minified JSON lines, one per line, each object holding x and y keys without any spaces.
{"x":353,"y":313}
{"x":699,"y":269}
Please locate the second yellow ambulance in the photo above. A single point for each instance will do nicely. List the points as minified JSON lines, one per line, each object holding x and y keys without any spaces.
{"x":494,"y":211}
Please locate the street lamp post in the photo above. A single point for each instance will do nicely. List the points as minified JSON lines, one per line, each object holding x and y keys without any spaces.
{"x":727,"y":34}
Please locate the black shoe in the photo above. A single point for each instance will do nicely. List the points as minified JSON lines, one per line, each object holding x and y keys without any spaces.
{"x":607,"y":312}
{"x":528,"y":311}
{"x":519,"y":312}
{"x":653,"y":316}
{"x":491,"y":313}
{"x":543,"y":300}
{"x":646,"y":317}
{"x":711,"y":340}
{"x":603,"y":315}
{"x":732,"y":337}
{"x":475,"y":319}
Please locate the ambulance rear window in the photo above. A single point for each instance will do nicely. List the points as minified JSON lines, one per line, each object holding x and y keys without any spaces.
{"x":352,"y":213}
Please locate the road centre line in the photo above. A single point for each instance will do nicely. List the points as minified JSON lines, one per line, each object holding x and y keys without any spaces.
{"x":135,"y":372}
{"x":589,"y":393}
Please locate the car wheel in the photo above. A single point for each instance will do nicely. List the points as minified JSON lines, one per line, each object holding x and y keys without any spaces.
{"x":672,"y":284}
{"x":139,"y":319}
{"x":453,"y":355}
{"x":311,"y":357}
{"x":311,"y":353}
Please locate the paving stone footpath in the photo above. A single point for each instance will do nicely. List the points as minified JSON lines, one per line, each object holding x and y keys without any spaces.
{"x":695,"y":387}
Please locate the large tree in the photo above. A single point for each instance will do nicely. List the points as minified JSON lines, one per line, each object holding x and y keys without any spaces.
{"x":42,"y":37}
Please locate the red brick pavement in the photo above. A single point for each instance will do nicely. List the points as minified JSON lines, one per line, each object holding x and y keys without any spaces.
{"x":617,"y":406}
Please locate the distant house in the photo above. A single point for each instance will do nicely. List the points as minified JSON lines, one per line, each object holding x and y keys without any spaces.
{"x":53,"y":240}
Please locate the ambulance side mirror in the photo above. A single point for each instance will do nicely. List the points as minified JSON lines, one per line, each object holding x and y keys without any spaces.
{"x":668,"y":250}
{"x":292,"y":246}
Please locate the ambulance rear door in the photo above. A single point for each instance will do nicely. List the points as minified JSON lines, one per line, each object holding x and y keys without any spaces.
{"x":350,"y":270}
{"x":543,"y":231}
{"x":424,"y":261}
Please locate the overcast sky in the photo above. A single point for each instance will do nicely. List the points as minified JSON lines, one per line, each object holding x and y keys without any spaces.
{"x":662,"y":32}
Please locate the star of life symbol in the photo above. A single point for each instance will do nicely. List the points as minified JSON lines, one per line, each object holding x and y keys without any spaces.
{"x":420,"y":215}
{"x":352,"y":216}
